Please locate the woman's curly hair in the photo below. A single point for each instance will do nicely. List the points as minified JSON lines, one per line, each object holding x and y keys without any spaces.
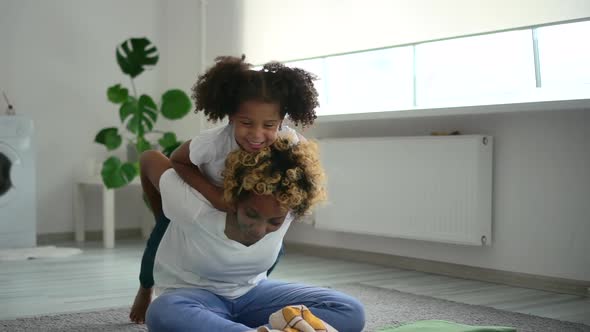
{"x":231,"y":81}
{"x":290,"y":172}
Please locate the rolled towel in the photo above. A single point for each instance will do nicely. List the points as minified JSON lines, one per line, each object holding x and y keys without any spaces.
{"x":298,"y":318}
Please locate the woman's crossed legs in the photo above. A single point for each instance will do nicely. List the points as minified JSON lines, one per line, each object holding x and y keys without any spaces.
{"x":191,"y":309}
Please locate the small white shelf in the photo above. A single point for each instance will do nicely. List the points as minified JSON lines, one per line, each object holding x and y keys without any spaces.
{"x":108,"y":210}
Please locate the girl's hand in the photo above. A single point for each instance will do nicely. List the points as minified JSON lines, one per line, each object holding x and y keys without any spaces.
{"x":220,"y":204}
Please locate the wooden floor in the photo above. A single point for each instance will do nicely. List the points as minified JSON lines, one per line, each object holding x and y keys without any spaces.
{"x":103,"y":278}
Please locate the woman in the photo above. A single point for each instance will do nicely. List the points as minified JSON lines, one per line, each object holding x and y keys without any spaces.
{"x":211,"y":265}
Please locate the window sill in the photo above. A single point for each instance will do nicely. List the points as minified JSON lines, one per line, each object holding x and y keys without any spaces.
{"x":536,"y":106}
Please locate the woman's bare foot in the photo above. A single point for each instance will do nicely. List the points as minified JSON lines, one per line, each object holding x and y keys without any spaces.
{"x":140,"y":305}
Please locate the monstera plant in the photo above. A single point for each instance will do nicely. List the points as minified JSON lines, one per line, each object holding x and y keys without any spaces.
{"x":138,"y":114}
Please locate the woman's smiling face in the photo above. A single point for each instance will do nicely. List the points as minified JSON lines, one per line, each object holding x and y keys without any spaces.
{"x":257,"y":216}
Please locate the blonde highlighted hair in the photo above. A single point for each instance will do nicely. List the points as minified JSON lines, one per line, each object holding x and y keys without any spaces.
{"x":290,"y":172}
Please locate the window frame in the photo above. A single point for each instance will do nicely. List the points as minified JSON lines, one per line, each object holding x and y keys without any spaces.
{"x":536,"y":99}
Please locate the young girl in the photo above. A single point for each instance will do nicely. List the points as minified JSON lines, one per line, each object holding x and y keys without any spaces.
{"x":256,"y":103}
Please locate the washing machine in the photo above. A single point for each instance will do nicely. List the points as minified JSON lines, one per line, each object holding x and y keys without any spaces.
{"x":18,"y":207}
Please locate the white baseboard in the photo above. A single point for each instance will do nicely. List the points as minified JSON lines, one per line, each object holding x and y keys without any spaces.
{"x":550,"y":284}
{"x":53,"y":238}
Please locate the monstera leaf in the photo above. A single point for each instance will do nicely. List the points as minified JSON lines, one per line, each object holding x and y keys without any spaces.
{"x":135,"y":55}
{"x":138,"y":114}
{"x":169,"y":143}
{"x":109,"y":137}
{"x":117,"y":94}
{"x":116,"y":174}
{"x":142,"y":114}
{"x":175,"y":104}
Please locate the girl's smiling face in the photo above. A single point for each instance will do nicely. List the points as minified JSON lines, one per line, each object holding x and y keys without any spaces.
{"x":256,"y":124}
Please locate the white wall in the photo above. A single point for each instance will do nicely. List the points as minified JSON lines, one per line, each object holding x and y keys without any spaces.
{"x":540,"y":201}
{"x":225,"y":19}
{"x":4,"y":56}
{"x":179,"y":32}
{"x":58,"y":58}
{"x":541,"y":178}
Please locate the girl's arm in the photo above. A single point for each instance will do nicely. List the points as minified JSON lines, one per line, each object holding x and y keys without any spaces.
{"x":191,"y":174}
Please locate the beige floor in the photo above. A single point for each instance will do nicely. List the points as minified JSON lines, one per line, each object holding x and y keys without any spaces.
{"x":104,"y":278}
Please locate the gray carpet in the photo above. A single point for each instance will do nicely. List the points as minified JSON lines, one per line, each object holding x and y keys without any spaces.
{"x":383,"y":308}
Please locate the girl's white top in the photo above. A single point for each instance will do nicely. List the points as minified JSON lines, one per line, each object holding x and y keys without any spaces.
{"x":209,"y":149}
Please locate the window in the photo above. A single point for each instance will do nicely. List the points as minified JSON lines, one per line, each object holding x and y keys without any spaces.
{"x":541,"y":63}
{"x":474,"y":70}
{"x":564,"y":55}
{"x":370,"y":81}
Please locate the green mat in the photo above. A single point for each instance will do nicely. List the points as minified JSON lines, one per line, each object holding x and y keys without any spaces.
{"x":444,"y":326}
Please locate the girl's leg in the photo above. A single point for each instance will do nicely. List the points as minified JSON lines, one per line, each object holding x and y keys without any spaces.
{"x":343,"y":312}
{"x":191,"y":309}
{"x":153,"y":164}
{"x":146,"y":274}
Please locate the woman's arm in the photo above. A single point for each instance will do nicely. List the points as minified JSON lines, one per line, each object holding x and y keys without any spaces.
{"x":191,"y":174}
{"x":152,"y":164}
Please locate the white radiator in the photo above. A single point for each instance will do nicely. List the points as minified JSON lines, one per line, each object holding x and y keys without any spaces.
{"x":433,"y":188}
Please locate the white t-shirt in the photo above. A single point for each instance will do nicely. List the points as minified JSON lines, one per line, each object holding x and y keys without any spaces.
{"x":195,"y":252}
{"x":209,"y":149}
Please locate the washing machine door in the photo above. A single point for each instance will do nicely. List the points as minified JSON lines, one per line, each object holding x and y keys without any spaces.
{"x":9,"y":159}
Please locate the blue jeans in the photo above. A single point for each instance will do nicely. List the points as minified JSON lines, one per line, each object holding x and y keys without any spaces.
{"x":193,"y":309}
{"x":146,"y":271}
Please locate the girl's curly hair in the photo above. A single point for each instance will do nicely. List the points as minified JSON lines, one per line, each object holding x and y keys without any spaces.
{"x":231,"y":81}
{"x":290,"y":172}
